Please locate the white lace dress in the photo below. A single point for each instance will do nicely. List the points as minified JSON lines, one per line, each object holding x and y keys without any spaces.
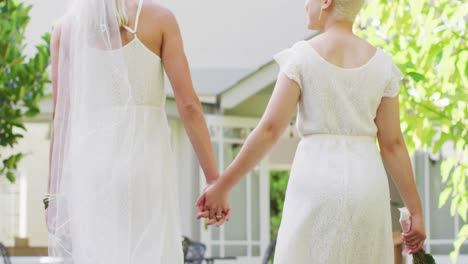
{"x":337,"y":207}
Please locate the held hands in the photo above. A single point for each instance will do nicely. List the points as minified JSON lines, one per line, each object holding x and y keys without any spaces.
{"x":213,"y":204}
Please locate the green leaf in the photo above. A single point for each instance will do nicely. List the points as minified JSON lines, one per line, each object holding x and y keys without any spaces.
{"x":18,"y":157}
{"x":462,"y":209}
{"x":445,"y":169}
{"x":22,"y":83}
{"x":458,"y":178}
{"x":440,"y":142}
{"x":462,"y":236}
{"x":19,"y":125}
{"x":11,"y":177}
{"x":444,"y":197}
{"x":463,"y":233}
{"x":453,"y":207}
{"x":32,"y":112}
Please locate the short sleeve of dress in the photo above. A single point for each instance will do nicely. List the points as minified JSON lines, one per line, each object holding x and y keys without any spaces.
{"x":393,"y":86}
{"x":289,"y":62}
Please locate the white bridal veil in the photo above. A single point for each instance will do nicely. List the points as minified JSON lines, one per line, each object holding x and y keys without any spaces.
{"x":93,"y":92}
{"x":113,"y":183}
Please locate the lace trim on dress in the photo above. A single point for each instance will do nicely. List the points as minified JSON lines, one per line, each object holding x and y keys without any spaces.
{"x":289,"y":63}
{"x":393,"y":86}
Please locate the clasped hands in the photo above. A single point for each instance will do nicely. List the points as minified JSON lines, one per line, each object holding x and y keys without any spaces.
{"x":213,"y":204}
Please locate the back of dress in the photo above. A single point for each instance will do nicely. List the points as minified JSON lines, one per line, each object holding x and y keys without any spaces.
{"x":144,"y":72}
{"x":336,"y":100}
{"x":337,"y":202}
{"x":117,"y":199}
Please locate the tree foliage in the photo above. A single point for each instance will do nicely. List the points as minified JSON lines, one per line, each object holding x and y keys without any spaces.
{"x":278,"y":183}
{"x":22,"y":80}
{"x":427,"y":40}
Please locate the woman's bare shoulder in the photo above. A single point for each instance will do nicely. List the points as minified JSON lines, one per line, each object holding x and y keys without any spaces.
{"x":158,"y":13}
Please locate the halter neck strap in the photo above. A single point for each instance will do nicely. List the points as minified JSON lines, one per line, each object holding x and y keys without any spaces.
{"x":137,"y":19}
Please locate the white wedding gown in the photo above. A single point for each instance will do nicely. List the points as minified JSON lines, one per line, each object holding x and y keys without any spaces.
{"x":337,"y":207}
{"x":124,"y":186}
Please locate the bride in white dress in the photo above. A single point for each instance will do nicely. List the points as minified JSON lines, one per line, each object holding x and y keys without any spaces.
{"x":113,"y":189}
{"x":337,"y":206}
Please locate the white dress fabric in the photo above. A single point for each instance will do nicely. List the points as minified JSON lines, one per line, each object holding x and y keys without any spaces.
{"x":127,"y":211}
{"x":337,"y":206}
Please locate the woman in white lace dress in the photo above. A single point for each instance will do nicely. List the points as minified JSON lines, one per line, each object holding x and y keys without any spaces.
{"x":337,"y":207}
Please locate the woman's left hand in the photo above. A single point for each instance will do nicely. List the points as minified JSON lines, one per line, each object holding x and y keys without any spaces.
{"x":213,"y":204}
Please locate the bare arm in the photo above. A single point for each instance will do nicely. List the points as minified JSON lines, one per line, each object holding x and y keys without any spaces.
{"x":395,"y":155}
{"x":188,"y":104}
{"x":55,"y":45}
{"x":214,"y":201}
{"x":397,"y":161}
{"x":276,"y":118}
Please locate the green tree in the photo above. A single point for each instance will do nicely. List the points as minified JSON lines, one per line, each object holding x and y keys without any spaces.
{"x":22,"y":80}
{"x":427,"y":40}
{"x":278,"y":183}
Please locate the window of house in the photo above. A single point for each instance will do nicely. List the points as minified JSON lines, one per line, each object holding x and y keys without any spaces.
{"x":247,"y":233}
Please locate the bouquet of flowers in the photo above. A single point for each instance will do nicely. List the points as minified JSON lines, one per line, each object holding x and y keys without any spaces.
{"x":420,"y":257}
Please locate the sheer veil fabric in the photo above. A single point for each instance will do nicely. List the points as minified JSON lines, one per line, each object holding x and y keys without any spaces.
{"x":111,"y":171}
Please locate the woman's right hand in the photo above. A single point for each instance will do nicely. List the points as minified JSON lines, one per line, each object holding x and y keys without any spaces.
{"x":214,"y":205}
{"x":415,"y":238}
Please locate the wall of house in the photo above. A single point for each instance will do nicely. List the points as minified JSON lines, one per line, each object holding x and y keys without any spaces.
{"x":31,"y":186}
{"x":44,"y":14}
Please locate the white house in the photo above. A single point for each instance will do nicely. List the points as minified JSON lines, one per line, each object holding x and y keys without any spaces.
{"x":229,"y":45}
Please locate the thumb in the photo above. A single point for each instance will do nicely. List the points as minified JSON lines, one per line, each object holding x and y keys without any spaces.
{"x":201,"y":201}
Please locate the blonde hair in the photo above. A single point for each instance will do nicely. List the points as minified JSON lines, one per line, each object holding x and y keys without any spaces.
{"x":347,"y":9}
{"x":121,"y":12}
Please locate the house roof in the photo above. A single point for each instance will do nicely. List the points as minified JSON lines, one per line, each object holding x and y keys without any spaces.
{"x":248,"y":86}
{"x":223,"y":88}
{"x":211,"y":82}
{"x":251,"y":84}
{"x":228,"y":87}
